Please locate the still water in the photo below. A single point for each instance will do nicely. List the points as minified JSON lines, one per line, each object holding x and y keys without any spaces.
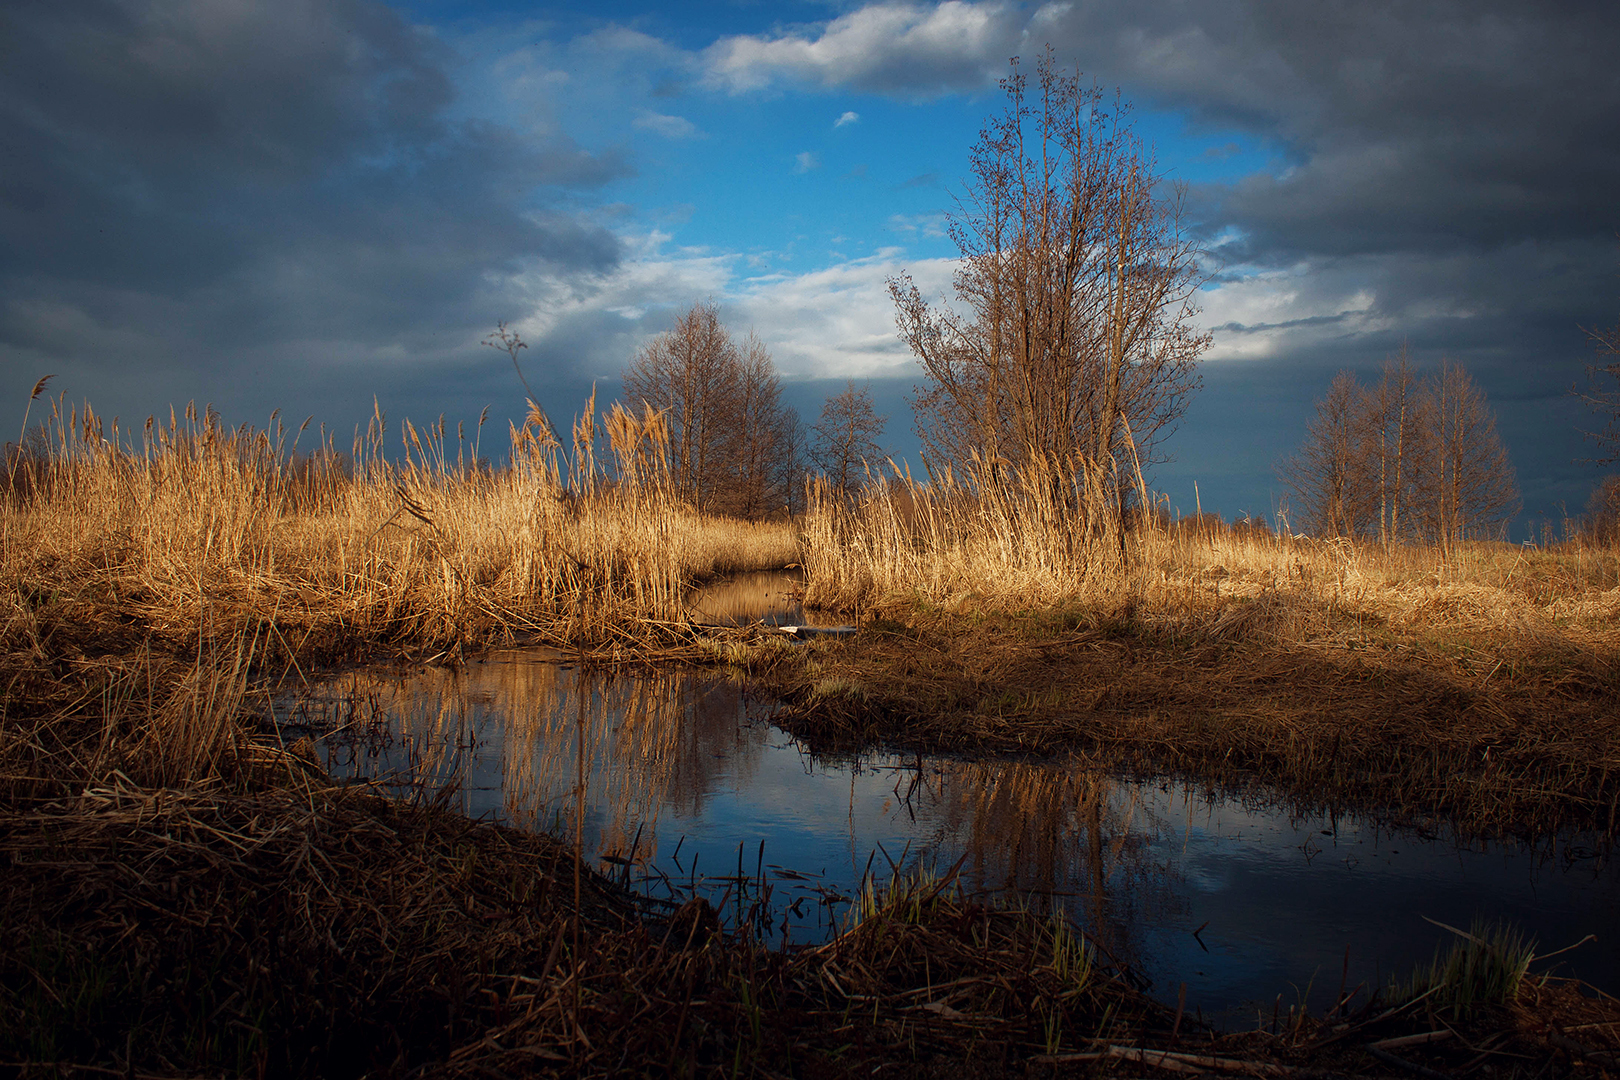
{"x":686,"y":781}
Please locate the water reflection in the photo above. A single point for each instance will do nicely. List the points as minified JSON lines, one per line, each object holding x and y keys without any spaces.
{"x":769,"y":596}
{"x":684,"y":777}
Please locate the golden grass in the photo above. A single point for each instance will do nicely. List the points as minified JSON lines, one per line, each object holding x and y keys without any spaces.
{"x":184,"y":900}
{"x":1015,"y":547}
{"x":201,"y":530}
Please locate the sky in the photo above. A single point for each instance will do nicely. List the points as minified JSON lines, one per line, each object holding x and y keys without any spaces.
{"x":309,"y":205}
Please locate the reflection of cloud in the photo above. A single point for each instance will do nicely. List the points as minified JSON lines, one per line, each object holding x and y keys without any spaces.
{"x":806,"y":161}
{"x":847,"y":118}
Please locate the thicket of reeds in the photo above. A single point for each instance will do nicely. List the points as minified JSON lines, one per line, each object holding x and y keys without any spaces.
{"x":189,"y":524}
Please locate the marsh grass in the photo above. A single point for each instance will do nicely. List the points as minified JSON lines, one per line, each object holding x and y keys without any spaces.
{"x":190,"y":529}
{"x":184,"y":898}
{"x":1484,"y":967}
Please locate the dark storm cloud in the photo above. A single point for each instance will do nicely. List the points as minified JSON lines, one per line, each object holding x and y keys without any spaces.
{"x":1417,"y":128}
{"x":232,"y":188}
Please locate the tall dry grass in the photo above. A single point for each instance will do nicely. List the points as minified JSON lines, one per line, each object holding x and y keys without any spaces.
{"x":1016,"y":546}
{"x":192,"y":525}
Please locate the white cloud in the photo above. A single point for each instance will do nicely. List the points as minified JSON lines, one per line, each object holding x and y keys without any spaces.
{"x":885,"y":46}
{"x":836,"y":322}
{"x":833,"y":322}
{"x":932,"y":225}
{"x":1259,"y":314}
{"x":670,"y":127}
{"x":847,"y":118}
{"x":806,"y":161}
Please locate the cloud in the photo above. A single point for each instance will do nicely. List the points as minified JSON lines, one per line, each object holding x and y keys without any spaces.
{"x":836,"y":321}
{"x":805,"y":161}
{"x":670,"y":127}
{"x":909,"y":48}
{"x":929,"y":225}
{"x":263,"y":194}
{"x":847,"y":118}
{"x":1431,"y":131}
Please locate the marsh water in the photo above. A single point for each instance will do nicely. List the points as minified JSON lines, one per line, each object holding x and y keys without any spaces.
{"x":688,"y":787}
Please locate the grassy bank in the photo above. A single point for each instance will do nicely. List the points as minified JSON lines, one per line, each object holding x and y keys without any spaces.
{"x":1476,"y":682}
{"x":183,"y":898}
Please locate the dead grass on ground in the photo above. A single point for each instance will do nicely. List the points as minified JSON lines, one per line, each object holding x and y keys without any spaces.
{"x":290,"y":928}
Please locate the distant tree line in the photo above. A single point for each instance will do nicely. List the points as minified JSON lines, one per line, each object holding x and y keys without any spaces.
{"x":1407,"y":458}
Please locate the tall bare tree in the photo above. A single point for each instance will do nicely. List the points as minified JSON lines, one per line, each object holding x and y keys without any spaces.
{"x":732,"y":442}
{"x":1074,"y":342}
{"x":1333,"y":490}
{"x":1392,"y":407}
{"x":1466,"y":480}
{"x":844,"y":440}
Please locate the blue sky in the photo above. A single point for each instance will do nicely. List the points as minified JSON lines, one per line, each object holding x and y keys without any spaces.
{"x":310,"y":203}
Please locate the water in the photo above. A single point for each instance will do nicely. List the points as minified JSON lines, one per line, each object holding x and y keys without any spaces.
{"x":685,"y":777}
{"x":768,"y":596}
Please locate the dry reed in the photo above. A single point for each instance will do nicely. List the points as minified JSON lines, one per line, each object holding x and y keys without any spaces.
{"x":196,"y":530}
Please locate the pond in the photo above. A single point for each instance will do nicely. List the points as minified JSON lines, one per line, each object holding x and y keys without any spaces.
{"x":688,"y":787}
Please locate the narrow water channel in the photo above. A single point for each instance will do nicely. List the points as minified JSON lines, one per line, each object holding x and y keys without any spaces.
{"x":686,"y":779}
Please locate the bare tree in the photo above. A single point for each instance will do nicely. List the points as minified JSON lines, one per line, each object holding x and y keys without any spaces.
{"x":1601,"y":524}
{"x":1465,"y":477}
{"x":1333,"y":490}
{"x":1391,"y":406}
{"x":1406,"y":459}
{"x":688,"y":373}
{"x":1603,"y":394}
{"x":762,"y":450}
{"x":1074,"y":341}
{"x":845,"y":438}
{"x":732,"y":442}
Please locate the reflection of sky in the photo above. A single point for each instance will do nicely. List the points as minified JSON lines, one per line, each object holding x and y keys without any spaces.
{"x":698,"y":771}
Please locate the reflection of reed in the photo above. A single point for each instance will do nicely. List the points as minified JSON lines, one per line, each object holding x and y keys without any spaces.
{"x":1077,"y":836}
{"x":650,"y":739}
